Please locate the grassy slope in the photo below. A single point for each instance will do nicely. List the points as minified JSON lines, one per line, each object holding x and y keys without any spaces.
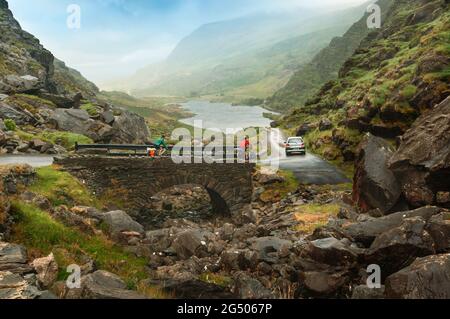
{"x":42,"y":234}
{"x":395,"y":74}
{"x":323,"y":68}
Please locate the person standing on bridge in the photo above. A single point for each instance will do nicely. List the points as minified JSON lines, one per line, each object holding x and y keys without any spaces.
{"x":161,"y":145}
{"x":245,"y":148}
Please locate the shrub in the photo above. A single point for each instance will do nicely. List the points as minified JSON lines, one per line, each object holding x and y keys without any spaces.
{"x":10,"y":125}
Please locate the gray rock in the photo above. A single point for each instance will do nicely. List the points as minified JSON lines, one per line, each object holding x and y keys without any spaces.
{"x":322,"y":283}
{"x":439,"y":229}
{"x":118,"y":221}
{"x":130,"y":128}
{"x":400,"y":246}
{"x":13,"y":286}
{"x":12,"y":254}
{"x":375,"y":185}
{"x":421,"y":163}
{"x":366,"y":232}
{"x":331,"y":251}
{"x":268,"y":248}
{"x":20,"y":116}
{"x":104,"y":285}
{"x":425,"y":278}
{"x":108,"y":117}
{"x":247,"y":287}
{"x":325,"y":124}
{"x":239,"y":259}
{"x":191,"y":243}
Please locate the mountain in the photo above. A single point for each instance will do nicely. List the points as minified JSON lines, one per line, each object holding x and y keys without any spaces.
{"x":396,"y":74}
{"x":323,"y":67}
{"x":45,"y":106}
{"x":252,"y":56}
{"x":21,"y":54}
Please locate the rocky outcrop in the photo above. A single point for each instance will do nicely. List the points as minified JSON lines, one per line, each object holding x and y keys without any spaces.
{"x":375,"y":186}
{"x":426,"y":278}
{"x":365,"y":232}
{"x":105,"y":285}
{"x":130,"y":128}
{"x":119,"y":222}
{"x":422,"y":162}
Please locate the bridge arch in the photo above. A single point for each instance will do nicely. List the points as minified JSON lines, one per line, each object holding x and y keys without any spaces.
{"x":137,"y":179}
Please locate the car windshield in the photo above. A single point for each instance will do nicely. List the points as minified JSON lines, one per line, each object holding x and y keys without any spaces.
{"x":295,"y":141}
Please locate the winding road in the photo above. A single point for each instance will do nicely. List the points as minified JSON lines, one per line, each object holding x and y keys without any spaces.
{"x":308,"y":169}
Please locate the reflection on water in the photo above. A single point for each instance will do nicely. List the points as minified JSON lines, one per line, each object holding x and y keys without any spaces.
{"x":33,"y":160}
{"x":223,"y":116}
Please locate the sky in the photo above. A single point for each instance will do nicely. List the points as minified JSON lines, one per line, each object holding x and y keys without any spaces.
{"x":115,"y":38}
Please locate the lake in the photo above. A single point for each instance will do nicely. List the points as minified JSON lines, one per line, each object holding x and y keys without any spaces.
{"x":223,"y":116}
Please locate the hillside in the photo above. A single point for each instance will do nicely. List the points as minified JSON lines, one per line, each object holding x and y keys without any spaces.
{"x":46,"y":107}
{"x":324,"y":66}
{"x":396,"y":74}
{"x":247,"y":57}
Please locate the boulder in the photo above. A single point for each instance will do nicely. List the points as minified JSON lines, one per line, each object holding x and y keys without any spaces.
{"x":108,"y":117}
{"x":191,"y":243}
{"x":13,"y":258}
{"x":269,"y":248}
{"x":375,"y":186}
{"x":130,"y":128}
{"x":46,"y":269}
{"x":366,"y":232}
{"x":425,"y":278}
{"x":239,"y":259}
{"x":422,"y":162}
{"x":14,"y":286}
{"x":248,"y":287}
{"x":439,"y":229}
{"x":303,"y":129}
{"x":400,"y":246}
{"x":331,"y":251}
{"x":61,"y":101}
{"x":104,"y":285}
{"x":20,"y":84}
{"x":19,"y":115}
{"x":325,"y":124}
{"x":118,"y":221}
{"x":72,"y":120}
{"x":322,"y":284}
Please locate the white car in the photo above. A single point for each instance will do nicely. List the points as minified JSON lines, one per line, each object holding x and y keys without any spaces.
{"x":295,"y":145}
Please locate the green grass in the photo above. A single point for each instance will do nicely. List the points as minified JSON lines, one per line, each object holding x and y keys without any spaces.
{"x":10,"y":125}
{"x":41,"y":234}
{"x":90,"y":108}
{"x":61,"y":188}
{"x":65,"y":139}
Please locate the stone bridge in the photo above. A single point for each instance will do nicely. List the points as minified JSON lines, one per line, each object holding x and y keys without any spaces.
{"x":134,"y":180}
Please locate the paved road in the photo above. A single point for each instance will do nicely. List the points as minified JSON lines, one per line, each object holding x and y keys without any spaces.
{"x":309,"y":169}
{"x":33,"y":160}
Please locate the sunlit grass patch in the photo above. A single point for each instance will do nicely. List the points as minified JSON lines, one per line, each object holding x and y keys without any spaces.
{"x":313,"y":216}
{"x":61,"y":188}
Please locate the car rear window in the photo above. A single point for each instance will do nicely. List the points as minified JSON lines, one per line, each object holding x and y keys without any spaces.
{"x":295,"y":140}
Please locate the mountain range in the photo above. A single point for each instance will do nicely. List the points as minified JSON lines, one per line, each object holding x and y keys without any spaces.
{"x":252,"y":56}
